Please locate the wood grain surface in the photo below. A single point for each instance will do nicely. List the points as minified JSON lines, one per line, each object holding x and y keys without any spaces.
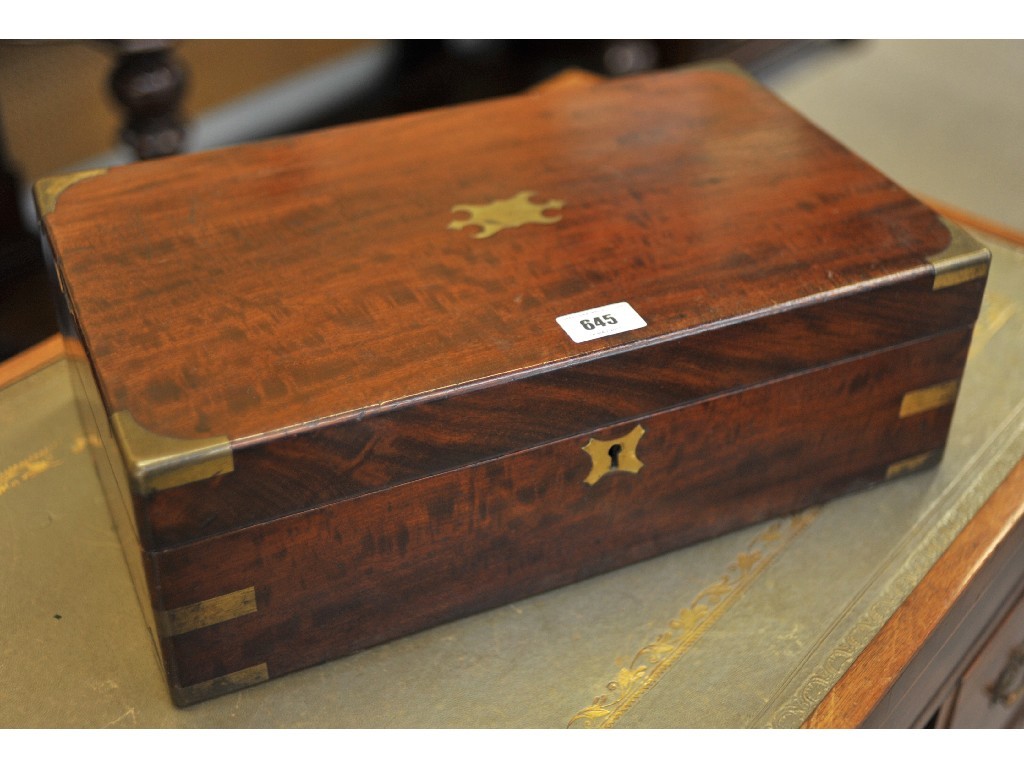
{"x":353,"y":574}
{"x":269,"y":287}
{"x":304,"y":298}
{"x":343,"y":460}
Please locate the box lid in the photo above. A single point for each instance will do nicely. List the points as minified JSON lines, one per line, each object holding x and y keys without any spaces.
{"x":285,"y":323}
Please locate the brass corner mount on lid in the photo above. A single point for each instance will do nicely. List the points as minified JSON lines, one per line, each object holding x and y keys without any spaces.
{"x":157,"y":462}
{"x":964,"y":259}
{"x":48,"y":190}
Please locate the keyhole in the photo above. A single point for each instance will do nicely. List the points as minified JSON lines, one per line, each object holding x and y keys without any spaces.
{"x":614,"y":452}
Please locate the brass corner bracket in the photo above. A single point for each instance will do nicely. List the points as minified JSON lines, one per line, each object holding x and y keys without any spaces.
{"x":47,"y":190}
{"x":157,"y":462}
{"x":962,"y":260}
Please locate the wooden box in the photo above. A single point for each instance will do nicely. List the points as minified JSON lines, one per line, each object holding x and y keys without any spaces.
{"x":356,"y":383}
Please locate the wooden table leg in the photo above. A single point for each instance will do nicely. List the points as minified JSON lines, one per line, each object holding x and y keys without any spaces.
{"x":149,"y":82}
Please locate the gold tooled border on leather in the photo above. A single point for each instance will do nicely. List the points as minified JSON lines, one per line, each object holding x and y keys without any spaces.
{"x":923,"y":544}
{"x":652,"y":661}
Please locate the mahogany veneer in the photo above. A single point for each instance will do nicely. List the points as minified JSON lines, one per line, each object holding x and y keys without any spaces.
{"x":395,"y":419}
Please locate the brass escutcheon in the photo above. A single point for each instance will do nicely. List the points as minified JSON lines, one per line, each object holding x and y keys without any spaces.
{"x":618,"y":455}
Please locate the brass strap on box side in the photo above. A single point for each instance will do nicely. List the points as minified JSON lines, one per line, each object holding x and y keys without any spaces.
{"x":929,"y":398}
{"x":206,"y":613}
{"x":912,"y":464}
{"x":727,"y":66}
{"x":964,"y":259}
{"x":218,"y":686}
{"x":47,"y":190}
{"x":653,"y":661}
{"x":157,"y":462}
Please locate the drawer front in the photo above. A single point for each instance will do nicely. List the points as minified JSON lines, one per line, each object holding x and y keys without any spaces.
{"x":272,"y":598}
{"x":991,"y":692}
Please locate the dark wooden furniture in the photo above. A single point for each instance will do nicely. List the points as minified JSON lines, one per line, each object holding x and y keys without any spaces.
{"x":149,"y":82}
{"x":339,"y":396}
{"x":26,"y":310}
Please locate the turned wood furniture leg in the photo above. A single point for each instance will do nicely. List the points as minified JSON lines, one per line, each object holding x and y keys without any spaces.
{"x":148,"y":83}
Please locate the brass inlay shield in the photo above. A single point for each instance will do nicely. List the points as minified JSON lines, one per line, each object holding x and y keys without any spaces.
{"x":49,"y":189}
{"x":929,"y":398}
{"x":906,"y":466}
{"x":218,"y":686}
{"x":207,"y":612}
{"x":157,"y":462}
{"x":509,"y":213}
{"x":963,"y":260}
{"x":617,"y":455}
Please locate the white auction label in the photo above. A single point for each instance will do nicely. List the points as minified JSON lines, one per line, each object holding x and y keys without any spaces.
{"x":596,"y":323}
